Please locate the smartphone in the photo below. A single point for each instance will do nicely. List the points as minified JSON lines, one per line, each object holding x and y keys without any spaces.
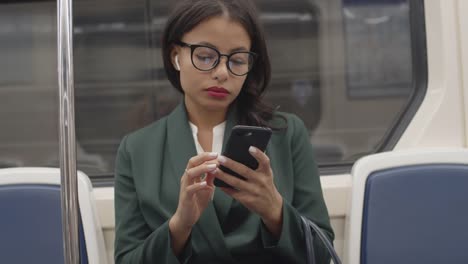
{"x":237,"y":148}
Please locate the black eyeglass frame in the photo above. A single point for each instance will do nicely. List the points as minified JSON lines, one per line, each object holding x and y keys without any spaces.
{"x":228,"y":56}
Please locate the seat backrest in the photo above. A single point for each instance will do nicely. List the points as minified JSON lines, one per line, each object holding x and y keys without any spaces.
{"x":412,"y":208}
{"x":30,"y":222}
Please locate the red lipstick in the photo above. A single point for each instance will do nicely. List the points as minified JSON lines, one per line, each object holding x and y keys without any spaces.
{"x":217,"y":92}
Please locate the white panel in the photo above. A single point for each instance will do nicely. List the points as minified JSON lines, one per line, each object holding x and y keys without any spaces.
{"x":338,"y":224}
{"x":109,"y":237}
{"x":463,"y":31}
{"x":105,"y":204}
{"x":439,"y":121}
{"x":336,"y":193}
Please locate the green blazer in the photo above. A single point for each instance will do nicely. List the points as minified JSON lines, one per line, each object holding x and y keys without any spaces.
{"x":149,"y":165}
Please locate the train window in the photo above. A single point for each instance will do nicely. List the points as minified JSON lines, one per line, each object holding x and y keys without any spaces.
{"x":347,"y":68}
{"x":28,"y":84}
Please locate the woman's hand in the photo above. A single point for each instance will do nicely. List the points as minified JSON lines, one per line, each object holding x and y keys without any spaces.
{"x":195,"y":195}
{"x":257,"y":192}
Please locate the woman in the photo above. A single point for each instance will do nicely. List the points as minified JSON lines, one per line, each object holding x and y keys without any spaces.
{"x":167,"y":208}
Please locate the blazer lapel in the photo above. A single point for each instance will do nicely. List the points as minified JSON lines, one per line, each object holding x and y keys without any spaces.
{"x":223,"y":201}
{"x":181,"y":148}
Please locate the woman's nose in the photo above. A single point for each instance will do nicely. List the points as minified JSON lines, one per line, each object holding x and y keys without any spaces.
{"x":221,"y":72}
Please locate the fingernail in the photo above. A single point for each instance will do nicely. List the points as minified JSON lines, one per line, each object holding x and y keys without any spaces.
{"x":211,"y":166}
{"x":222,"y":159}
{"x":252,"y":149}
{"x":213,"y":154}
{"x":203,"y":183}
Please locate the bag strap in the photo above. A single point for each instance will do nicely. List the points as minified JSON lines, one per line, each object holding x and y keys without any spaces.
{"x":308,"y":224}
{"x":309,"y":242}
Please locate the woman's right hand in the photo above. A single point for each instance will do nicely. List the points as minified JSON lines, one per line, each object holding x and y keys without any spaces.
{"x":194,"y":197}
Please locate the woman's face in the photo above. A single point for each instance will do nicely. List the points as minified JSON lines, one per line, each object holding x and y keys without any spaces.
{"x":216,"y":89}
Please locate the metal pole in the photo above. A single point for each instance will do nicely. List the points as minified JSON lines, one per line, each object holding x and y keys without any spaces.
{"x":69,"y":190}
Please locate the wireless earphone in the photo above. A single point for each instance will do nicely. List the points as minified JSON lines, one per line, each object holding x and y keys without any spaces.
{"x":177,"y":62}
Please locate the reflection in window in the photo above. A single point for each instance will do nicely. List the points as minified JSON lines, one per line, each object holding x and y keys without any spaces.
{"x":383,"y":28}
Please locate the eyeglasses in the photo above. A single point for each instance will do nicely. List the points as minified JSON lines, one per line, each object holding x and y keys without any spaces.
{"x":206,"y":58}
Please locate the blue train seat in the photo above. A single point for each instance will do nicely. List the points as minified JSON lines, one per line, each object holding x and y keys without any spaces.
{"x":409,"y":207}
{"x":31,"y":220}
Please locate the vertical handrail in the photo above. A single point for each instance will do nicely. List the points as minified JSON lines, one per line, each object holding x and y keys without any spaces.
{"x":69,"y":190}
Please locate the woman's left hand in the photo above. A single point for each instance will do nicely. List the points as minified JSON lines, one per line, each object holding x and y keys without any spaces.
{"x":258,"y":191}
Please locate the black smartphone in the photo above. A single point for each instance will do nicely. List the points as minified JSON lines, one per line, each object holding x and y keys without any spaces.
{"x":237,"y":148}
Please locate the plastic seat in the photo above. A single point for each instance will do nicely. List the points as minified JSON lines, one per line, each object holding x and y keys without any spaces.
{"x":409,"y":207}
{"x":31,"y":220}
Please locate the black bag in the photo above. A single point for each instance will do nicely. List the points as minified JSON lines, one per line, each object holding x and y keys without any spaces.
{"x":309,"y":238}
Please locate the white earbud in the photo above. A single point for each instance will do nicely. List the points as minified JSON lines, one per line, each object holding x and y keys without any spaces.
{"x":177,"y":62}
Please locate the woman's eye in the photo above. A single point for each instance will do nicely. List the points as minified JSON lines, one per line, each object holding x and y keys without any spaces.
{"x":205,"y":58}
{"x":239,"y":62}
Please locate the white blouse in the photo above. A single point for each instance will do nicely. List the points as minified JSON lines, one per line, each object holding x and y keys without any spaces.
{"x":218,"y":136}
